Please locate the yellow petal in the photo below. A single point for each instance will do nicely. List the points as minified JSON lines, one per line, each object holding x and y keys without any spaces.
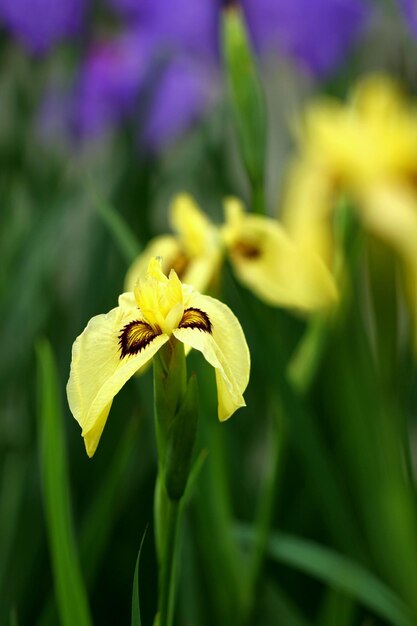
{"x":390,"y":212}
{"x":225,"y":348}
{"x":199,"y":271}
{"x":308,"y":204}
{"x":199,"y":240}
{"x":274,"y":267}
{"x":196,"y":232}
{"x":97,"y":370}
{"x":373,"y":136}
{"x":168,"y":248}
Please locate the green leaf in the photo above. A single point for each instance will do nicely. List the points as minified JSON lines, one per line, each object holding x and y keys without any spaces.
{"x":337,"y":571}
{"x":13,"y":618}
{"x":123,"y":237}
{"x":69,"y":587}
{"x":114,"y":489}
{"x":192,"y":478}
{"x":14,"y":474}
{"x":136,"y":621}
{"x":181,"y":433}
{"x":247,"y":101}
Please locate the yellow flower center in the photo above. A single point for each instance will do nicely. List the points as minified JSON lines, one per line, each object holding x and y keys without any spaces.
{"x":160,"y":298}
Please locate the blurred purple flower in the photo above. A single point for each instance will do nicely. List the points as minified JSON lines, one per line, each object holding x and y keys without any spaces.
{"x":109,"y":83}
{"x":39,"y":24}
{"x":409,"y":9}
{"x":162,"y":70}
{"x":315,"y":33}
{"x":184,"y":25}
{"x":185,"y":90}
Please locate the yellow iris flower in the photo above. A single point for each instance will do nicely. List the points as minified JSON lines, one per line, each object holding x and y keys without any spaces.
{"x":160,"y":309}
{"x":367,"y":150}
{"x":262,"y":255}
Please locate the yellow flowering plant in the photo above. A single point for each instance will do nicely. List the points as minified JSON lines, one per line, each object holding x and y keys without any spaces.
{"x":154,"y":322}
{"x":365,"y":150}
{"x":263,"y":256}
{"x":115,"y":345}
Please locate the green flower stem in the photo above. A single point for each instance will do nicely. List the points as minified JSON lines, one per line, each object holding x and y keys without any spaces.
{"x":305,"y":363}
{"x":167,"y":582}
{"x":176,"y":426}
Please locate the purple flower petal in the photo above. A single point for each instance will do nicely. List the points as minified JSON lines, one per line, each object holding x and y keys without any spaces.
{"x":315,"y":33}
{"x":185,"y":91}
{"x":409,"y":8}
{"x":187,"y":25}
{"x":39,"y":24}
{"x":109,"y":83}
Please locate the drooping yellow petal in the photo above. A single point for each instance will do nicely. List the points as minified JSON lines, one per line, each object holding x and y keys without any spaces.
{"x":223,"y":346}
{"x":273,"y":266}
{"x":98,"y":370}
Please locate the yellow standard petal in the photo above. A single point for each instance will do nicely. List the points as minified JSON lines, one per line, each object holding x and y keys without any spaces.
{"x":195,"y":231}
{"x":160,"y":298}
{"x":276,"y":268}
{"x":100,"y":368}
{"x":168,"y":248}
{"x":210,"y":327}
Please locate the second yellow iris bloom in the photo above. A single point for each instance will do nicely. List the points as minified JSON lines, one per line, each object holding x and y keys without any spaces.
{"x":262,"y":254}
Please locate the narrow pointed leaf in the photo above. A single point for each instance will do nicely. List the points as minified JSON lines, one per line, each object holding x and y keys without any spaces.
{"x":120,"y":232}
{"x":69,"y":586}
{"x":337,"y":571}
{"x":136,"y":621}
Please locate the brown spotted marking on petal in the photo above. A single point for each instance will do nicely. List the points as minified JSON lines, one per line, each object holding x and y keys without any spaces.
{"x":195,"y":318}
{"x":134,"y":337}
{"x":247,"y":249}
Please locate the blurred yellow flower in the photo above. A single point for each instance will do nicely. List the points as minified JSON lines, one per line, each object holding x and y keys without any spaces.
{"x":194,"y":252}
{"x":367,"y":150}
{"x":262,"y":255}
{"x":115,"y":345}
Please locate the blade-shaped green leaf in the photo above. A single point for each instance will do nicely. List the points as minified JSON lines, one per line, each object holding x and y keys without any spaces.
{"x":136,"y":621}
{"x":192,"y":479}
{"x":123,"y":237}
{"x":69,"y":587}
{"x":247,"y":102}
{"x":337,"y":571}
{"x":13,"y":618}
{"x":105,"y":504}
{"x":14,"y":473}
